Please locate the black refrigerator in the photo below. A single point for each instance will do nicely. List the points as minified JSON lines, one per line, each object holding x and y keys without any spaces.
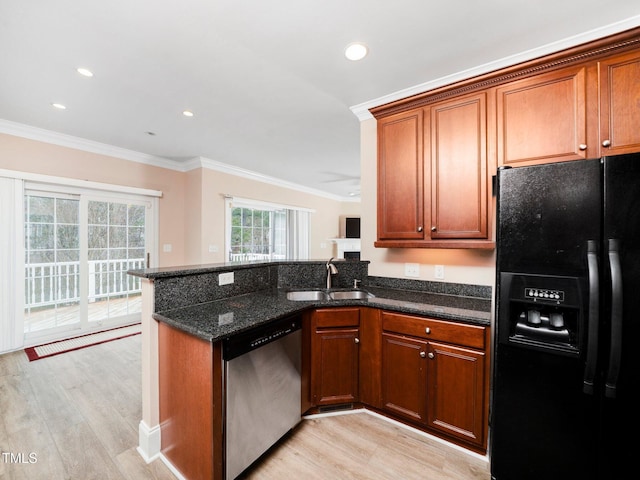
{"x":566,"y":363}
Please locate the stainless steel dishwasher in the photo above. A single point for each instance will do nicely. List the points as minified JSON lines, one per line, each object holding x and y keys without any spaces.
{"x":262,"y":390}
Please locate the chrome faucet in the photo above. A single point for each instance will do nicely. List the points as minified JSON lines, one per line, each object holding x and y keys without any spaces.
{"x":331,"y":270}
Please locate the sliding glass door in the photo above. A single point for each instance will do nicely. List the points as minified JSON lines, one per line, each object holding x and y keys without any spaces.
{"x":78,"y":248}
{"x":116,"y":243}
{"x":52,"y":263}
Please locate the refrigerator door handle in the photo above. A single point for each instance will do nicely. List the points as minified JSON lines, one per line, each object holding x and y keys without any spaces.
{"x":593,"y":318}
{"x":615,"y":352}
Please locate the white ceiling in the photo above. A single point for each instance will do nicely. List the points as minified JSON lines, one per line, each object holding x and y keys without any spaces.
{"x":270,"y":88}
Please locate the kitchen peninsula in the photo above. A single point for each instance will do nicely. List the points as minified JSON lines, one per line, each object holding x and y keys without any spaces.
{"x":352,"y":351}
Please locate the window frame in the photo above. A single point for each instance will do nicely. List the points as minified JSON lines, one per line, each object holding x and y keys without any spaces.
{"x":297,"y":244}
{"x":85,"y":196}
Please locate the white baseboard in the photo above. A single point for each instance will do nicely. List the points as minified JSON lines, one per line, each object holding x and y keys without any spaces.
{"x":148,"y":442}
{"x":173,"y":469}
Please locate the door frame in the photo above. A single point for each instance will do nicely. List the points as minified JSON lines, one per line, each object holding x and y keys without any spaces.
{"x":94,"y":192}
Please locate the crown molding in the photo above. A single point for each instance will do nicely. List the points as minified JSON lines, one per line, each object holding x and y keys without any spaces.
{"x":55,"y":138}
{"x":202,"y":162}
{"x":362,"y":110}
{"x":64,"y":140}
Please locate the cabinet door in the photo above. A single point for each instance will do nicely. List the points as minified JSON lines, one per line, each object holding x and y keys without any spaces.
{"x":457,"y":145}
{"x":334,"y":355}
{"x":456,"y":388}
{"x":404,"y":377}
{"x":620,"y":104}
{"x":543,"y":119}
{"x":400,"y":176}
{"x":334,"y":365}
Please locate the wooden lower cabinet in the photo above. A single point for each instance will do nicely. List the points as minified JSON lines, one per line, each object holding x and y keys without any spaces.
{"x":191,"y":403}
{"x":404,"y":377}
{"x":334,"y":355}
{"x":441,"y":386}
{"x":456,"y":392}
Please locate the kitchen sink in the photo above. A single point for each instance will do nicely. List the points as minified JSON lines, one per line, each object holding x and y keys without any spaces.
{"x":349,"y":295}
{"x":317,"y":295}
{"x":307,"y":295}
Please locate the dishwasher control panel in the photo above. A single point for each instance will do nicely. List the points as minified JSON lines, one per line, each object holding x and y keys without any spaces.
{"x":258,"y":342}
{"x":259,"y":336}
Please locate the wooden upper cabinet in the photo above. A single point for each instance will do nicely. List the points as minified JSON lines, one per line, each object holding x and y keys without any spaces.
{"x":438,"y":150}
{"x":543,"y":119}
{"x":433,"y":176}
{"x":620,"y":104}
{"x":457,"y":146}
{"x":400,"y":176}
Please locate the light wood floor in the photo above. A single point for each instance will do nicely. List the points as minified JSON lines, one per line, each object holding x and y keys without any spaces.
{"x":364,"y":447}
{"x":78,"y":414}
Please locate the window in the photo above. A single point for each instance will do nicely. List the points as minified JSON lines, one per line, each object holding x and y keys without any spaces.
{"x":65,"y":248}
{"x":261,"y":231}
{"x":52,"y":261}
{"x":78,"y":248}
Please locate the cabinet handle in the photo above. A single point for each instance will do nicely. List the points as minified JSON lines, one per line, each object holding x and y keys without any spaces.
{"x":433,"y":229}
{"x":419,"y":229}
{"x":606,"y":143}
{"x":422,"y":354}
{"x":432,"y":355}
{"x":357,"y":340}
{"x":582,"y":146}
{"x":427,"y":330}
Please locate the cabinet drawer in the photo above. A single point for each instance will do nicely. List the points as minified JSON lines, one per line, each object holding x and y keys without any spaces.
{"x":337,"y":317}
{"x":451,"y":332}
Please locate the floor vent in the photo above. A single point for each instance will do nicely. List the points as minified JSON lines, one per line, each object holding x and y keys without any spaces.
{"x":335,"y":408}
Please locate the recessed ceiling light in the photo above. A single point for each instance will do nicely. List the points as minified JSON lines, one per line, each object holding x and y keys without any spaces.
{"x":356,"y":51}
{"x":84,"y":71}
{"x":59,"y":106}
{"x":187,"y":113}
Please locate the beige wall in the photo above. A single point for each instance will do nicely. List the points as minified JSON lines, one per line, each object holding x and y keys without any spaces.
{"x":191,"y":210}
{"x":215,"y":184}
{"x":193,"y":217}
{"x":32,"y":156}
{"x":461,"y":265}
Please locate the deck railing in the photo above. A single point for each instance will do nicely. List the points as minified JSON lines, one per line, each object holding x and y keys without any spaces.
{"x":55,"y":283}
{"x":247,"y":257}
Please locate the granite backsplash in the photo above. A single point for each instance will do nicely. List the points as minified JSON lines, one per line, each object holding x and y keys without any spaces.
{"x":193,"y":287}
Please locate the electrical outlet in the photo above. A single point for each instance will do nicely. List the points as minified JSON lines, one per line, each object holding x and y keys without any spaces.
{"x":225,"y":318}
{"x":438,"y":272}
{"x":411,"y":269}
{"x":225,"y":278}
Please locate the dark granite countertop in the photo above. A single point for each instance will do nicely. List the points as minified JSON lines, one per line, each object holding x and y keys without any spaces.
{"x":217,"y":320}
